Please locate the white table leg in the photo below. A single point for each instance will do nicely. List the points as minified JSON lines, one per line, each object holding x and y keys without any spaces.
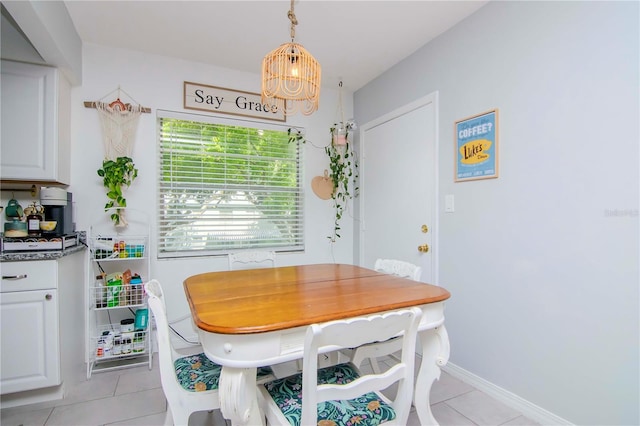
{"x":238,"y":396}
{"x":435,"y":354}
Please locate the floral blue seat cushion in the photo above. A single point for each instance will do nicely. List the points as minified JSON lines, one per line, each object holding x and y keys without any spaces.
{"x":197,"y":373}
{"x":366,"y":410}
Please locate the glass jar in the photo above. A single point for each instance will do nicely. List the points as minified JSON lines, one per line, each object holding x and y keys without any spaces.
{"x":117,"y":345}
{"x":138,"y":343}
{"x":126,"y":325}
{"x":126,"y":346}
{"x":33,"y":225}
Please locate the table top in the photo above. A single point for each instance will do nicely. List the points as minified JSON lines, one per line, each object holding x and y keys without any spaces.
{"x":271,"y":299}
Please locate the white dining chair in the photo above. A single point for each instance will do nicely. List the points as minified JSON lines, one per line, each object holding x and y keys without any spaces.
{"x":398,"y":268}
{"x":336,"y":393}
{"x":251,"y":259}
{"x":247,"y":259}
{"x":190,"y":383}
{"x":373,"y":351}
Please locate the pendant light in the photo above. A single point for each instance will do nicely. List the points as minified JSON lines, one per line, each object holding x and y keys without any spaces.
{"x":291,"y":76}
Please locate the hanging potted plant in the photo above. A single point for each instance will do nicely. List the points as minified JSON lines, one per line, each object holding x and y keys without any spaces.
{"x":117,"y":175}
{"x":340,"y":133}
{"x":343,"y":166}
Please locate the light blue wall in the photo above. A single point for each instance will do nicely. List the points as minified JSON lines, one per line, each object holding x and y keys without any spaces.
{"x":542,"y":263}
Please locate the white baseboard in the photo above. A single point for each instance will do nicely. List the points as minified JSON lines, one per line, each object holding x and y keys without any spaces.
{"x":509,"y":399}
{"x":35,"y":396}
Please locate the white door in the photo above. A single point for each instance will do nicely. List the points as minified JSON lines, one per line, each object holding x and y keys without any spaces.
{"x":398,"y":187}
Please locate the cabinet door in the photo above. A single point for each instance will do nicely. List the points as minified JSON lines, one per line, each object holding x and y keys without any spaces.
{"x":29,"y":122}
{"x":29,"y":340}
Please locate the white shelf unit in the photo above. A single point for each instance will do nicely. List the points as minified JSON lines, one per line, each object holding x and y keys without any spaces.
{"x":116,"y":251}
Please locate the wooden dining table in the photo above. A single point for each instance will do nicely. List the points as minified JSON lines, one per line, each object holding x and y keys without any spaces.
{"x":258,"y":317}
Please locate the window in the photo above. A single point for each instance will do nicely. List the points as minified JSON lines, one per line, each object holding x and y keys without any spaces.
{"x":226,"y":185}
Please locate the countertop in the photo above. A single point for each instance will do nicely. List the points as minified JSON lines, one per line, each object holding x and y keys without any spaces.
{"x":18,"y":256}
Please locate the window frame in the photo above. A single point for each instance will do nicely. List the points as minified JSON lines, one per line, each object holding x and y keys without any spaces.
{"x":299,"y":224}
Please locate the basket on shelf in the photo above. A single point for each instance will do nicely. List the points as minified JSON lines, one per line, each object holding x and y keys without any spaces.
{"x":118,"y":248}
{"x":113,"y":342}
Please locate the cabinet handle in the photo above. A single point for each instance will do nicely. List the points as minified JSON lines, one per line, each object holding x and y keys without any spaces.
{"x":14,"y":277}
{"x":48,"y":296}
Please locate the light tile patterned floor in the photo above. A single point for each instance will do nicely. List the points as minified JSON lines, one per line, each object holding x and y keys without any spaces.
{"x":134,"y":397}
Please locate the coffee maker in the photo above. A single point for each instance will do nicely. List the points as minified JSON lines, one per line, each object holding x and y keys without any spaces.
{"x":58,"y":206}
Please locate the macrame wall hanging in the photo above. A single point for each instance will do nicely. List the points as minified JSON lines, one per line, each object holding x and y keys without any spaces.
{"x":119,"y":123}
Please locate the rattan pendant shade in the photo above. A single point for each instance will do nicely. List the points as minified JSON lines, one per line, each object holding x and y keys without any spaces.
{"x":291,"y":77}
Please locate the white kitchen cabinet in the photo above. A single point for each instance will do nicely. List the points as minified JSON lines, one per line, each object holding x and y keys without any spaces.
{"x":42,"y":324}
{"x":113,"y":252}
{"x":31,"y":352}
{"x":36,"y":106}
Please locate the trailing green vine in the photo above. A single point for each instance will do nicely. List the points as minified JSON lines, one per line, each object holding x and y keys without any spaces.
{"x":343,"y":170}
{"x":295,"y":136}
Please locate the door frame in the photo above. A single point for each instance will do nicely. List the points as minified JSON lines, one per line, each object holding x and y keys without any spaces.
{"x":432,"y":98}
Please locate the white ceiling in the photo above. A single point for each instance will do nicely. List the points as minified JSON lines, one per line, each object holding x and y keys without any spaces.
{"x":354,"y":41}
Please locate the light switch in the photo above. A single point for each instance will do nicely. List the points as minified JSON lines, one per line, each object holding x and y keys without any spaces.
{"x":449,"y":205}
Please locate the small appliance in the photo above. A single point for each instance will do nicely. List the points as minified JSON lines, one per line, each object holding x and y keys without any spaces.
{"x":58,"y":206}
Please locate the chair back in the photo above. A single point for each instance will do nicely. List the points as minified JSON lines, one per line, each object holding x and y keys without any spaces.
{"x":252,"y":259}
{"x":166,"y":352}
{"x":399,"y":268}
{"x":335,"y":335}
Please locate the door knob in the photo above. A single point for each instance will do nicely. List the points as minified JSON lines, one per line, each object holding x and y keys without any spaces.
{"x":423,"y":248}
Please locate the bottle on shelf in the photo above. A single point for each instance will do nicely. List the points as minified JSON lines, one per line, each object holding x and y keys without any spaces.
{"x":138,"y":342}
{"x":117,"y":345}
{"x":100,"y":348}
{"x":137,"y":290}
{"x":107,"y":343}
{"x":126,"y":345}
{"x":100,"y":291}
{"x":33,"y":225}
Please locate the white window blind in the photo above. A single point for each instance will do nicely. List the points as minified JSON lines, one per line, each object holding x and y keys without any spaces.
{"x":226,"y":185}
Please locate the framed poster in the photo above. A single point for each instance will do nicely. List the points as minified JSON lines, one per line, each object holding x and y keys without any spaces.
{"x":476,"y":147}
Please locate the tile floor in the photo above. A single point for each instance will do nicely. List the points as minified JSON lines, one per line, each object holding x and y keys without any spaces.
{"x":134,"y":397}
